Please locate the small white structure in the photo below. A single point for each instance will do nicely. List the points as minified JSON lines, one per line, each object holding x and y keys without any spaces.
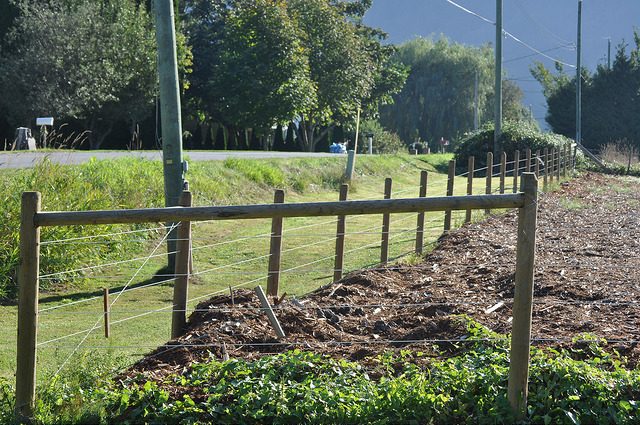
{"x":23,"y":139}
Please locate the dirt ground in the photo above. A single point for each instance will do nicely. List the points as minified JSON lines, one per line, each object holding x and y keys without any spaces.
{"x":586,"y":282}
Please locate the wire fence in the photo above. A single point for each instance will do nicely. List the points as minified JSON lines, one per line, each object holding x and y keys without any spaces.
{"x":232,"y":257}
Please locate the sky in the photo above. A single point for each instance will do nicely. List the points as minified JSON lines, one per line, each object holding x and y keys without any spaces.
{"x":548,"y":26}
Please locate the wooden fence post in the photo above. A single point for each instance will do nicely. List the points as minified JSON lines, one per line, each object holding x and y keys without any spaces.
{"x":523,"y":298}
{"x":183,"y":257}
{"x":489,"y":176}
{"x":28,"y":293}
{"x":503,"y":170}
{"x":564,"y":162}
{"x":107,"y":322}
{"x":559,"y":165}
{"x":516,"y":170}
{"x":386,"y":220}
{"x":342,"y":225}
{"x":452,"y":175}
{"x":527,"y":167}
{"x":546,"y":164}
{"x":420,"y":228}
{"x":553,"y":164}
{"x":467,"y":218}
{"x":273,"y":280}
{"x":537,"y":164}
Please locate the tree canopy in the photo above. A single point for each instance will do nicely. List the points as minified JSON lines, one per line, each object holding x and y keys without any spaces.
{"x":438,"y":99}
{"x":84,"y":61}
{"x":610,"y":99}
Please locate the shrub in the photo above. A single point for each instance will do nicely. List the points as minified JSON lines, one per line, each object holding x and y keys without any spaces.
{"x":515,"y":136}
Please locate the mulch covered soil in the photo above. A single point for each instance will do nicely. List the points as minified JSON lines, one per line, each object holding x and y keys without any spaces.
{"x":586,"y":282}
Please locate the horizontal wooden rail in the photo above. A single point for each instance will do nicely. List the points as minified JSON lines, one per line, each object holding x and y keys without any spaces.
{"x":308,"y":209}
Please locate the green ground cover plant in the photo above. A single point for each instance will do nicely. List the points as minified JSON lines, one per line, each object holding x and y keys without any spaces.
{"x":467,"y":385}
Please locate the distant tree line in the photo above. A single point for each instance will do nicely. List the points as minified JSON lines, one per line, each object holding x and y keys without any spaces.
{"x":610,"y":99}
{"x":255,"y":74}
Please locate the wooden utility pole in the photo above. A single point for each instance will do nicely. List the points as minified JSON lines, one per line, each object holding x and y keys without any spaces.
{"x":169,"y":111}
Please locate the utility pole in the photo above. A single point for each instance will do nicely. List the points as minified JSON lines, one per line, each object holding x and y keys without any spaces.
{"x":609,"y":53}
{"x":498,"y":81}
{"x":170,"y":110}
{"x":579,"y":76}
{"x":475,"y":112}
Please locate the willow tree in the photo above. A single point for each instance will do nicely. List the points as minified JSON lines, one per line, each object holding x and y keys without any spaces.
{"x":438,"y":98}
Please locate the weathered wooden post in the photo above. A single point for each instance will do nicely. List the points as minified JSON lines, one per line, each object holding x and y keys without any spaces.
{"x":386,"y":220}
{"x":342,"y":225}
{"x":181,"y":284}
{"x":537,"y":166}
{"x":503,"y":171}
{"x":420,"y":228}
{"x":467,"y":218}
{"x":452,"y":175}
{"x":28,"y":293}
{"x":516,"y":170}
{"x":546,"y":165}
{"x":275,"y":252}
{"x":523,"y":298}
{"x":489,"y":176}
{"x":527,"y":167}
{"x":553,"y":164}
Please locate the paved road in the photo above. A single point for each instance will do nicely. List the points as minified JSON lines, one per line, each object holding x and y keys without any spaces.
{"x":26,"y":159}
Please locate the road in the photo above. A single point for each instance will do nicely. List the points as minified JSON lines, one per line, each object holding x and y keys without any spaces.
{"x":26,"y":159}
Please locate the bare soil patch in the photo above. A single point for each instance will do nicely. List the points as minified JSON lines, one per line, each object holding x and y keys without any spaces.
{"x":586,"y":282}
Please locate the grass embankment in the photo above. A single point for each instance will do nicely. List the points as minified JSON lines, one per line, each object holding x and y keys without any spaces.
{"x":218,"y":246}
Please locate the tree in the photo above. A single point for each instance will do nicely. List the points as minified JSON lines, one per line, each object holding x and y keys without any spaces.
{"x":438,"y":99}
{"x":610,"y":99}
{"x":87,"y":62}
{"x":262,"y":78}
{"x":341,"y":68}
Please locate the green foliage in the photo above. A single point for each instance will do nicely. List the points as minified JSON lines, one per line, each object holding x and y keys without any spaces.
{"x":263,"y":75}
{"x":515,"y":136}
{"x":438,"y":98}
{"x":111,"y":184}
{"x":610,"y":99}
{"x":256,"y":171}
{"x":88,"y":62}
{"x":384,"y":142}
{"x":402,"y":387}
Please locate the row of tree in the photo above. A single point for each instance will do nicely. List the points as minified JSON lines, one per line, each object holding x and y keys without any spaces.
{"x":610,"y":99}
{"x":248,"y":68}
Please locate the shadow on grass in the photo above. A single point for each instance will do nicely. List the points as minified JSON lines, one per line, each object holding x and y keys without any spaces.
{"x":164,"y":274}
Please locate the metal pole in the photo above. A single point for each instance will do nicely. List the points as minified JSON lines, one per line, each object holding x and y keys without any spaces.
{"x":579,"y":76}
{"x":498,"y":81}
{"x":170,"y":110}
{"x":475,"y":112}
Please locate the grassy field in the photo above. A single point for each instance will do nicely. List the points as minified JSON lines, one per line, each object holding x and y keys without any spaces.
{"x":226,"y":254}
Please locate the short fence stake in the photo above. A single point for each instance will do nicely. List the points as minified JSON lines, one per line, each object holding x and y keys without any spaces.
{"x":523,"y":298}
{"x":503,"y":171}
{"x":553,"y":164}
{"x":452,"y":176}
{"x":342,"y":225}
{"x":527,"y":167}
{"x":489,"y":176}
{"x":537,"y":166}
{"x":559,"y":165}
{"x":267,"y":308}
{"x":564,"y":162}
{"x":420,"y":228}
{"x":107,"y":322}
{"x":273,"y":280}
{"x":181,"y":285}
{"x":467,"y":218}
{"x":28,"y":293}
{"x":516,"y":170}
{"x":386,"y":221}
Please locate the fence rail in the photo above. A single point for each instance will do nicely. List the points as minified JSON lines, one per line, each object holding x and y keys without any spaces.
{"x":33,"y":218}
